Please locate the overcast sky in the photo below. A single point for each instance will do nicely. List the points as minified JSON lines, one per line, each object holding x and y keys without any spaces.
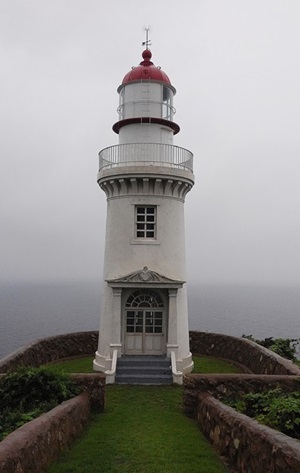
{"x":236,"y":67}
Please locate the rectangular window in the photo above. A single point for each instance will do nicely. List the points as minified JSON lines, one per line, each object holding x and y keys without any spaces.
{"x":145,"y":222}
{"x":134,"y":322}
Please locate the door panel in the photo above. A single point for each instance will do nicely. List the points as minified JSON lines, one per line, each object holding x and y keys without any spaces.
{"x":154,"y":344}
{"x":134,"y":343}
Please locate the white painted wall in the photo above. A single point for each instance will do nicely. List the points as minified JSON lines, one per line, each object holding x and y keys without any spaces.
{"x":145,"y":133}
{"x":124,"y":253}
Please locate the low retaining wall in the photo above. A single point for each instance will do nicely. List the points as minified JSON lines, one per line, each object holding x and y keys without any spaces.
{"x":35,"y":445}
{"x":51,"y":349}
{"x":94,"y":384}
{"x":232,"y":386}
{"x":256,"y":358}
{"x":239,"y":350}
{"x":249,"y":446}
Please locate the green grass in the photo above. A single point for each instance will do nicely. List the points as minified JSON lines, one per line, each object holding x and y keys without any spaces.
{"x":142,"y":430}
{"x":203,"y":364}
{"x":207,"y":364}
{"x":74,"y":365}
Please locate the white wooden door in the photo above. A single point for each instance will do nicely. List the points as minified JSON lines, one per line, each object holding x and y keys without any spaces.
{"x":144,"y":332}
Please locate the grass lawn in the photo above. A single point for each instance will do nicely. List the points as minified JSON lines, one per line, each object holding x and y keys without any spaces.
{"x":207,"y":364}
{"x":203,"y":364}
{"x":75,"y":365}
{"x":142,"y":430}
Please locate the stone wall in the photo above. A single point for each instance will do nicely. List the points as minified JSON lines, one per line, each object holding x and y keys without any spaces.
{"x":51,"y":349}
{"x":35,"y":445}
{"x":231,"y":386}
{"x":253,"y":448}
{"x":256,"y":358}
{"x":233,"y":434}
{"x":249,"y":446}
{"x":94,"y":384}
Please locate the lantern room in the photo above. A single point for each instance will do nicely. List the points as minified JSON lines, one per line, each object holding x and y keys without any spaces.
{"x":146,"y":97}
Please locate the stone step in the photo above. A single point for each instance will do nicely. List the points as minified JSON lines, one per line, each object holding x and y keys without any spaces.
{"x":144,"y":361}
{"x":128,"y":369}
{"x":143,"y":369}
{"x":143,"y":379}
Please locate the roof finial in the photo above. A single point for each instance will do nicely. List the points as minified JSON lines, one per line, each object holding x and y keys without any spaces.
{"x":147,"y":42}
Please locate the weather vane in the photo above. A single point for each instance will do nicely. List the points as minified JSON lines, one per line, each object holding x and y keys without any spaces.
{"x":147,"y":41}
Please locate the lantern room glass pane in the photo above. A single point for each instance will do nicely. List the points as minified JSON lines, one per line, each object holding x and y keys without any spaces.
{"x":167,"y":103}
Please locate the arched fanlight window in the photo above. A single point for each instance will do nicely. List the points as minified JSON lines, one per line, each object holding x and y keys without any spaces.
{"x":144,"y":298}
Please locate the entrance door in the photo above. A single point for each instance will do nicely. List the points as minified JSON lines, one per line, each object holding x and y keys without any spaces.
{"x":144,"y":323}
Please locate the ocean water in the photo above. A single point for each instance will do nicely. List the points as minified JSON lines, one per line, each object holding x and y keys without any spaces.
{"x":261,"y":311}
{"x":32,"y":311}
{"x":29,"y":312}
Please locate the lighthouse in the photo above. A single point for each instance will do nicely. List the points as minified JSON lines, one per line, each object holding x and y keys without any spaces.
{"x":145,"y":178}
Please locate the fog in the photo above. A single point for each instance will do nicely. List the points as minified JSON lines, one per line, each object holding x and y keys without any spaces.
{"x":235,"y":65}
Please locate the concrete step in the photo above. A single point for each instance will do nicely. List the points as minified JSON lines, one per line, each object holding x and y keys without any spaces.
{"x":143,"y":379}
{"x":127,"y":369}
{"x":144,"y":361}
{"x":143,"y":369}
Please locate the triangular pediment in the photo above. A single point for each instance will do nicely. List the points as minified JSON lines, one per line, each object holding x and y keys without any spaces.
{"x":145,"y":276}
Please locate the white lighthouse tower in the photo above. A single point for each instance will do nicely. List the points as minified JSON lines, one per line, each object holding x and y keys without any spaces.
{"x":145,"y":178}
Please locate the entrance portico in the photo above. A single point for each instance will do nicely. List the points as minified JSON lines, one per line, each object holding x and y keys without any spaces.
{"x":144,"y":313}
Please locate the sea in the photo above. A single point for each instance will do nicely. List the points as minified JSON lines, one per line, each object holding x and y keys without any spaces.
{"x":33,"y":311}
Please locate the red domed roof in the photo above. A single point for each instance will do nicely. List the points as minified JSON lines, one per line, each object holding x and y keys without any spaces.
{"x":146,"y":71}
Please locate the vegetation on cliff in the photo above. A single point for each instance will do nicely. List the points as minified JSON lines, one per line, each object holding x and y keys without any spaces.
{"x":285,"y":347}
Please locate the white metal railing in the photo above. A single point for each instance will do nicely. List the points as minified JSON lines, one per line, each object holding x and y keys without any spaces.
{"x":146,"y":154}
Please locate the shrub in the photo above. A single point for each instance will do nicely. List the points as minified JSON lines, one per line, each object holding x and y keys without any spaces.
{"x":27,"y":393}
{"x":274,"y":408}
{"x":286,"y":347}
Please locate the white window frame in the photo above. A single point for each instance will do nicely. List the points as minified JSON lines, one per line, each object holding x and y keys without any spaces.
{"x":145,"y":222}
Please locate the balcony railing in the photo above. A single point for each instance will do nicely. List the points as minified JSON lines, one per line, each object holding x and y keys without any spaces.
{"x":146,"y":154}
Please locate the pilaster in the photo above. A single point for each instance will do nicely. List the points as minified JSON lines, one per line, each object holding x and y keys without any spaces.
{"x":116,"y":320}
{"x":172,"y":344}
